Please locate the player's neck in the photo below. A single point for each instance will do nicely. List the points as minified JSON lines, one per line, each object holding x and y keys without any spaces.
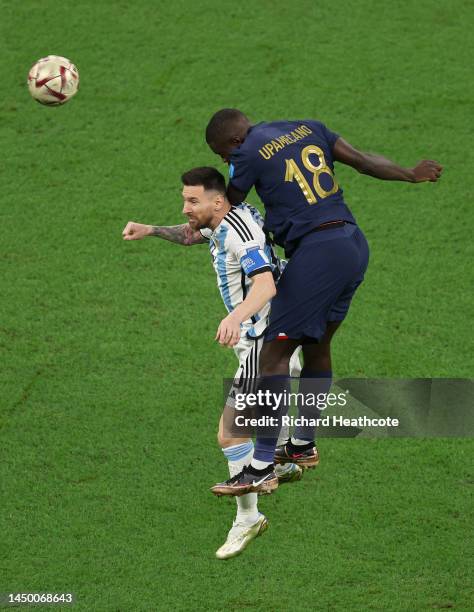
{"x":219,"y":215}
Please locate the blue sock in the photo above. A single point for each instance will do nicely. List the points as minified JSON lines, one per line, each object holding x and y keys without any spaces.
{"x":267,"y":436}
{"x":314,"y":382}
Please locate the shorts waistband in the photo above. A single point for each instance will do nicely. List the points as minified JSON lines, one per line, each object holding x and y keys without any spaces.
{"x":338,"y":223}
{"x":328,"y":225}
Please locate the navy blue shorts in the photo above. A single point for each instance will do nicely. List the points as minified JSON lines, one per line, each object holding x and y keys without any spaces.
{"x":318,"y":283}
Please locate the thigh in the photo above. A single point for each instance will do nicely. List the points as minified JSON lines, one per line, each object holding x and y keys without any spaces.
{"x":247,"y":352}
{"x":275,"y":356}
{"x":321,"y":270}
{"x":312,"y":282}
{"x":340,"y":307}
{"x":317,"y":355}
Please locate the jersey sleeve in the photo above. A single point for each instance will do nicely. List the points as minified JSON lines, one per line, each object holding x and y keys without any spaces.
{"x":248,"y":250}
{"x":253,"y":260}
{"x":320,"y":128}
{"x":242,"y":170}
{"x":206,"y":233}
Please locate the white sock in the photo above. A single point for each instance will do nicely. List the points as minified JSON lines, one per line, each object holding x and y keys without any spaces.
{"x":260,"y":465}
{"x":295,"y":371}
{"x":298,"y":442}
{"x":295,"y":363}
{"x":284,"y":435}
{"x":238,"y":457}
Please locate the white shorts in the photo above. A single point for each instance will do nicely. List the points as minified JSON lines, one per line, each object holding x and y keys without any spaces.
{"x":247,"y":352}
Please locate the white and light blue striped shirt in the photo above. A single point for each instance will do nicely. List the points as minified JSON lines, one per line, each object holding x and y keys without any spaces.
{"x":239,"y":250}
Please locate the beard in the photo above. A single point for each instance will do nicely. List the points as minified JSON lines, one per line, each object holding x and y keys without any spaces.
{"x":197,"y":224}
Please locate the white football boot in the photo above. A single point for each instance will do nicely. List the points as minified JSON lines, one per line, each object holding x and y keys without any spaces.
{"x":240,"y":536}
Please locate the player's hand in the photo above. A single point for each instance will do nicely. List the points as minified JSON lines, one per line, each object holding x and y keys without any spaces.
{"x":228,"y":332}
{"x":135,"y":231}
{"x":427,"y":170}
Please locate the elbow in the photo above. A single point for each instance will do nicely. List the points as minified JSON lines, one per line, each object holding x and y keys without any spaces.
{"x":264,"y":285}
{"x":367,"y":171}
{"x":363,"y":164}
{"x":271,"y":290}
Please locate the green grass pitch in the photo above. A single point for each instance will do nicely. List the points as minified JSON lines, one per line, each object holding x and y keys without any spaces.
{"x":111,"y":384}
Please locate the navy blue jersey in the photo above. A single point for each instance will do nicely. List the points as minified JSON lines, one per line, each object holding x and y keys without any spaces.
{"x":291,"y":165}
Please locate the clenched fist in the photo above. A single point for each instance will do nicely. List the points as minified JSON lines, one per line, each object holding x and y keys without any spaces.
{"x":136,"y":231}
{"x":427,"y":170}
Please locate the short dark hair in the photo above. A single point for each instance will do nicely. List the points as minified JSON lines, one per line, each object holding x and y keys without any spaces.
{"x":210,"y":178}
{"x":222,"y":125}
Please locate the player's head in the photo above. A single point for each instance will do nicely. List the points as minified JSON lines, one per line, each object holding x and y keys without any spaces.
{"x":204,"y":197}
{"x":227,"y":130}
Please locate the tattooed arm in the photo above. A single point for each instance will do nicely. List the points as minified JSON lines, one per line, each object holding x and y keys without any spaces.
{"x":181,"y":234}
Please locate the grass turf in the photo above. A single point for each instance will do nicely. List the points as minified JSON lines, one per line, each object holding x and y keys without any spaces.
{"x":111,"y":383}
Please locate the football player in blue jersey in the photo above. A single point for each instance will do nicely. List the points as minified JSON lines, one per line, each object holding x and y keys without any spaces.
{"x":291,"y":166}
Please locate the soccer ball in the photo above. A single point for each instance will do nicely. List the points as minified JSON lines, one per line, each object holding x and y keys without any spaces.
{"x":53,"y":80}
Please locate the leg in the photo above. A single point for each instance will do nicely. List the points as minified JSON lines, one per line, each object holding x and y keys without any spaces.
{"x":249,"y":481}
{"x":274,"y":387}
{"x":313,"y":298}
{"x":295,"y":363}
{"x":238,"y":449}
{"x":274,"y":366}
{"x":275,"y":356}
{"x":295,"y":371}
{"x":281,"y":357}
{"x":248,"y":523}
{"x":224,"y":435}
{"x":317,"y":356}
{"x":316,"y":380}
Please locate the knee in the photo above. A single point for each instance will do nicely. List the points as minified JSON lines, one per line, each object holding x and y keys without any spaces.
{"x":226,"y":442}
{"x":319,"y":362}
{"x":275,"y":365}
{"x":275,"y":360}
{"x":222,"y":441}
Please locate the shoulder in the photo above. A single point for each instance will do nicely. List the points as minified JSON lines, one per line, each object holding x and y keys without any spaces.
{"x":246,"y":220}
{"x":311,"y":122}
{"x":238,"y":231}
{"x":253,"y":214}
{"x":320,"y":129}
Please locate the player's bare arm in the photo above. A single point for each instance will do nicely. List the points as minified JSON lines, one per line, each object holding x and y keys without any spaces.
{"x":383,"y":168}
{"x":180,"y":234}
{"x":261,"y":292}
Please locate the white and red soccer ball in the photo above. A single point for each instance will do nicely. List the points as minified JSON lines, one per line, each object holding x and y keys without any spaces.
{"x":53,"y":80}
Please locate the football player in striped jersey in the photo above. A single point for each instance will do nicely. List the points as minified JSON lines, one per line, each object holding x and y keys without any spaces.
{"x":247,"y":268}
